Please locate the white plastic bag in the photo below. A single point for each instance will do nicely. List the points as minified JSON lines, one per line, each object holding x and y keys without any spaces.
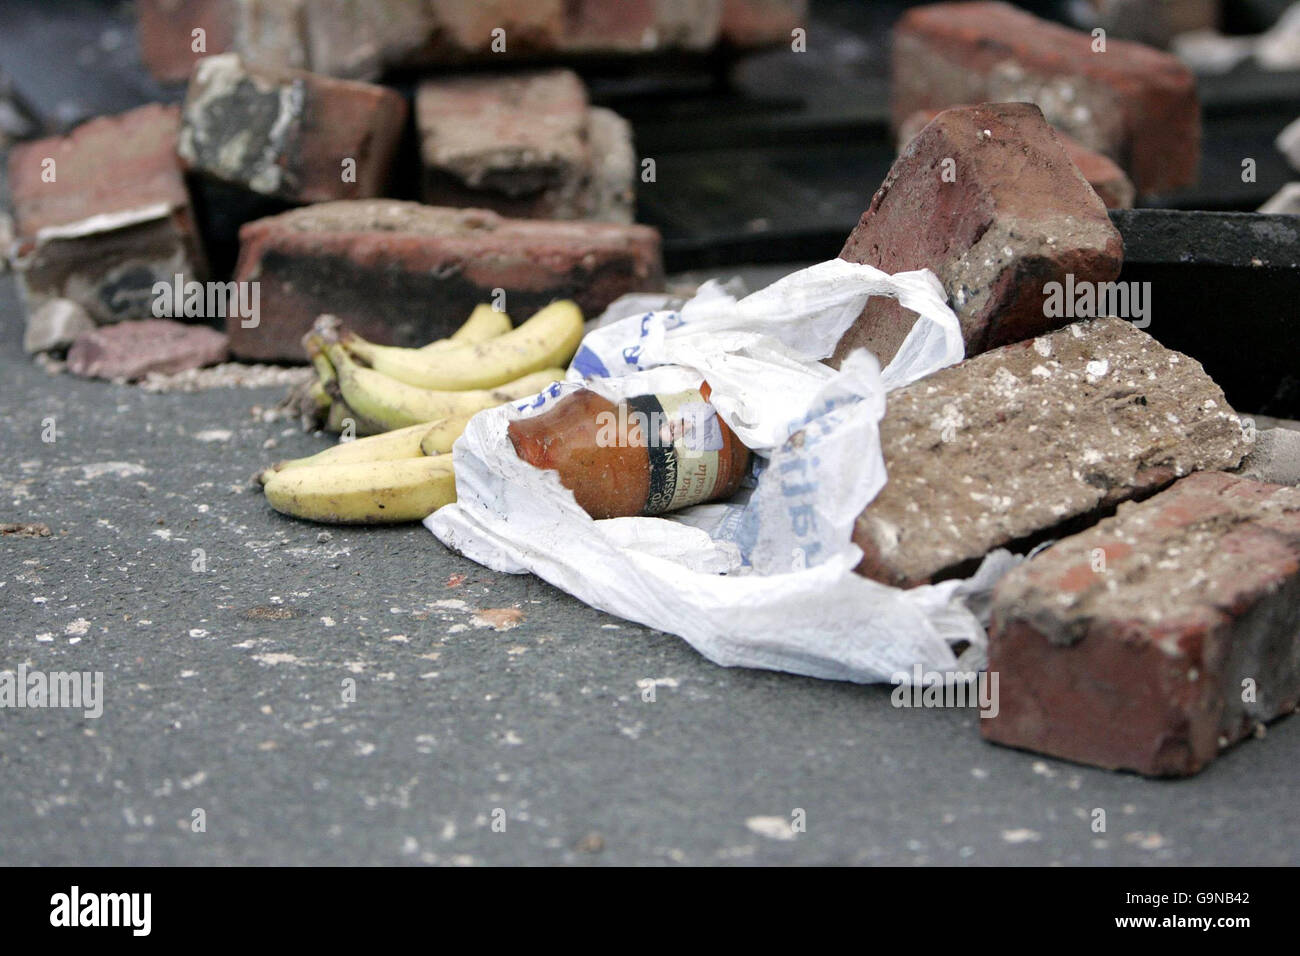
{"x":766,"y":580}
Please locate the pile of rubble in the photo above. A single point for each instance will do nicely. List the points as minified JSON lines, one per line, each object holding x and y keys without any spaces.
{"x":1162,"y":624}
{"x":361,"y":39}
{"x":260,"y":201}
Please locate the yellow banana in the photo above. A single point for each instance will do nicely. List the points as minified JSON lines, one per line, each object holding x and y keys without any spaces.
{"x":391,"y":404}
{"x":390,"y":446}
{"x":315,"y":346}
{"x":439,"y":436}
{"x":484,"y":324}
{"x":546,"y":340}
{"x":371,"y":492}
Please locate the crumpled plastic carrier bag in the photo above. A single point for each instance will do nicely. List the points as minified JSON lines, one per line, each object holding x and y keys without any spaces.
{"x":765,"y":580}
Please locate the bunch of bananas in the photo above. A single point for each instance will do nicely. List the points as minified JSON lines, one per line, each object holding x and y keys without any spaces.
{"x":412,"y":405}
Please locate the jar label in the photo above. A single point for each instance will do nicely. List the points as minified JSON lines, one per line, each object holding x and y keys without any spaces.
{"x":683,"y":435}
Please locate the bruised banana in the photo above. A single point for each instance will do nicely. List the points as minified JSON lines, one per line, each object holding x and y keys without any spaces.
{"x":547,"y":340}
{"x":370,"y":492}
{"x":391,"y":404}
{"x":390,"y":446}
{"x":311,"y":402}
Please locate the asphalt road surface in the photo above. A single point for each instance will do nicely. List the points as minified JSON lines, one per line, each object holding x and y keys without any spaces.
{"x":224,"y":693}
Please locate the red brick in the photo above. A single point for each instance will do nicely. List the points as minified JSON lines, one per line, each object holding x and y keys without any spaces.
{"x":1128,"y":646}
{"x":362,"y":39}
{"x":1015,"y":216}
{"x":405,"y":273}
{"x":530,"y":25}
{"x":166,"y":34}
{"x":515,"y":144}
{"x":748,"y":23}
{"x":287,"y":133}
{"x":1133,"y":103}
{"x":525,"y":145}
{"x":115,"y":220}
{"x":641,"y":26}
{"x":1012,"y":446}
{"x":597,"y":25}
{"x":104,"y":166}
{"x":131,"y":350}
{"x":1105,"y":177}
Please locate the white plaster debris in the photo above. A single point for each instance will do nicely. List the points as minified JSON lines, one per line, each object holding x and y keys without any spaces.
{"x":118,"y":469}
{"x":1096,"y":370}
{"x":273,"y":658}
{"x":774,"y":828}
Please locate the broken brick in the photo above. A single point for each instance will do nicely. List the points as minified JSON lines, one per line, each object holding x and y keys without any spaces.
{"x":526,"y":145}
{"x":527,"y":26}
{"x":986,"y":198}
{"x":289,"y":134}
{"x":1104,"y":176}
{"x":102,"y":213}
{"x":1135,"y":104}
{"x":641,"y":26}
{"x":750,"y":23}
{"x":1158,"y":638}
{"x":406,"y":274}
{"x":611,"y":194}
{"x":514,"y":144}
{"x":1015,"y":445}
{"x":131,"y":350}
{"x":362,"y":39}
{"x":167,"y":34}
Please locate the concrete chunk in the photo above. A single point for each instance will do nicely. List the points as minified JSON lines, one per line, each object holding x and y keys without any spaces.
{"x":1010,"y":447}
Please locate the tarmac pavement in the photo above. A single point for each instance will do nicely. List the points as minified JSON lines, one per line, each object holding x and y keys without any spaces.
{"x":224,"y":691}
